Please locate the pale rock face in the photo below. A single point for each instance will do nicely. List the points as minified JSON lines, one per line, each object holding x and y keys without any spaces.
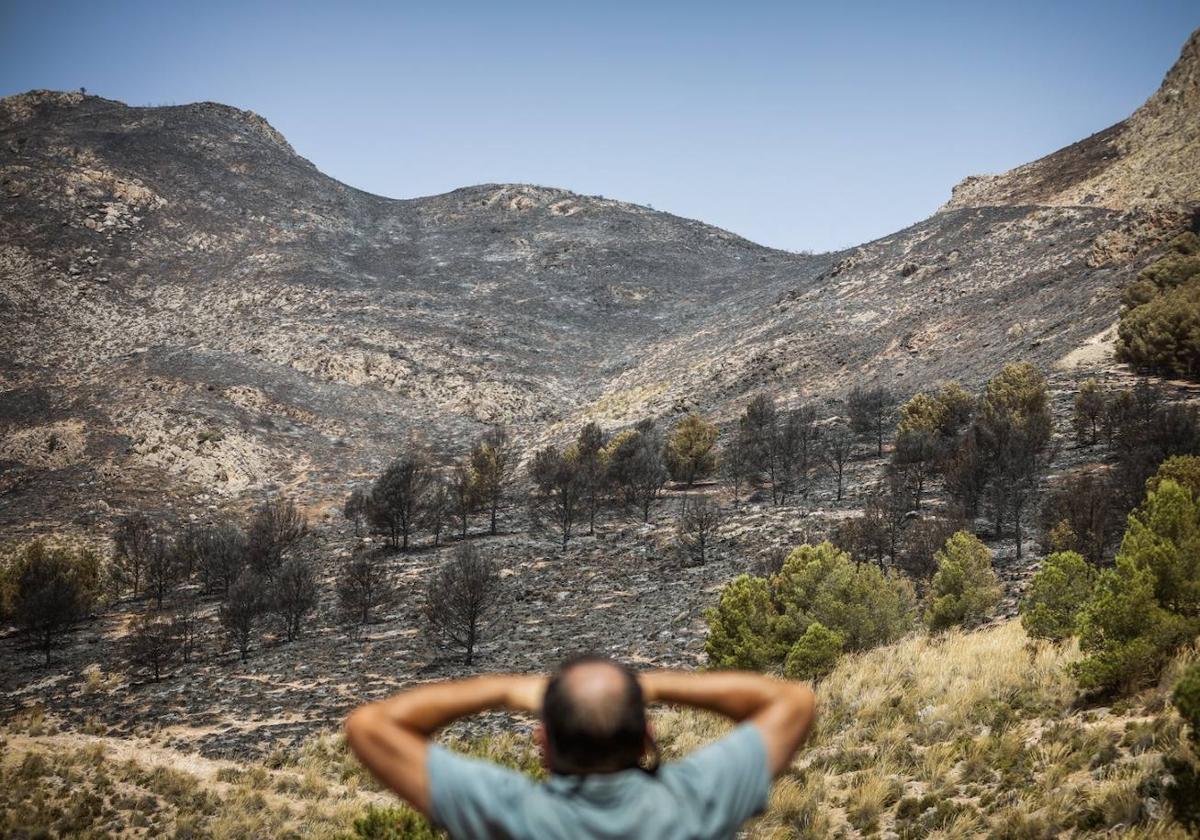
{"x":189,"y":306}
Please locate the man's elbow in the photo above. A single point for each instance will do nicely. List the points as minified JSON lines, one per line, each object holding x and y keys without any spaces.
{"x":360,"y":724}
{"x":803,"y":701}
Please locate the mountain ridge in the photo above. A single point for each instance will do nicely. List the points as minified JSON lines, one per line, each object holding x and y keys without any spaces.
{"x":193,"y":306}
{"x":1150,"y":158}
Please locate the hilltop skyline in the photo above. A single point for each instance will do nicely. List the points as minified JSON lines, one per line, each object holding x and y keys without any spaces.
{"x":735,"y":120}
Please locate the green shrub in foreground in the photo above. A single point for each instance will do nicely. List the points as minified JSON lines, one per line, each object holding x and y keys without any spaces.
{"x":1147,"y":607}
{"x":401,"y":823}
{"x":815,"y":653}
{"x":758,"y":621}
{"x":1183,"y":791}
{"x":739,"y":627}
{"x":965,"y":590}
{"x":1058,"y":591}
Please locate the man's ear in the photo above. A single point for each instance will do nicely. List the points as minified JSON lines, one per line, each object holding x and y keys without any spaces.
{"x":651,"y":755}
{"x":543,"y":743}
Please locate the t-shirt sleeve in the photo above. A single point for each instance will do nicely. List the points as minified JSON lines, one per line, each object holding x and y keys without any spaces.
{"x":727,"y":781}
{"x":472,"y":798}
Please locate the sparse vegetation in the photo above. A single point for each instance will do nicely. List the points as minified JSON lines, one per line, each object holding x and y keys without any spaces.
{"x":811,"y":611}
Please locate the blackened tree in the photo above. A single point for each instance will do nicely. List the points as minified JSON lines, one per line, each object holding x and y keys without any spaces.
{"x":792,"y":451}
{"x":914,"y":461}
{"x":221,"y":555}
{"x":356,"y":507}
{"x":51,"y":589}
{"x":1081,"y":513}
{"x":132,"y":541}
{"x":461,"y":597}
{"x":1088,"y":415}
{"x":294,"y":594}
{"x":923,"y":539}
{"x":277,"y":525}
{"x":439,"y":508}
{"x":363,"y":586}
{"x":153,"y":643}
{"x":875,"y":535}
{"x":758,"y":434}
{"x":188,"y":627}
{"x":590,"y":458}
{"x":699,"y":519}
{"x":398,"y":497}
{"x":872,"y":412}
{"x":735,"y":465}
{"x":965,"y":474}
{"x":493,"y":466}
{"x":558,"y":491}
{"x":162,"y":571}
{"x":462,"y":496}
{"x":242,"y":610}
{"x":636,"y":467}
{"x":837,"y":450}
{"x":1013,"y":430}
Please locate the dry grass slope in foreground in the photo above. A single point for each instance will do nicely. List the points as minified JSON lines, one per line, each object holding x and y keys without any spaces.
{"x":964,"y":735}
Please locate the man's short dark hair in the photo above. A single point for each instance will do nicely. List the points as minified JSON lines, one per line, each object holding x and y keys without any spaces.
{"x":591,"y":732}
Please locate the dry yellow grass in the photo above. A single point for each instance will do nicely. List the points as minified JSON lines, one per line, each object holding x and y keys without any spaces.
{"x":964,"y":735}
{"x":967,"y":735}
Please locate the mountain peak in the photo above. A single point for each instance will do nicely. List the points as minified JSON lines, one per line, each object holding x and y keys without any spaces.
{"x":55,"y":105}
{"x":1150,"y":159}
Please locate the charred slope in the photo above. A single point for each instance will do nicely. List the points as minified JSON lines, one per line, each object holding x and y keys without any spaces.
{"x":184,"y":296}
{"x":1150,"y":159}
{"x":187,"y":303}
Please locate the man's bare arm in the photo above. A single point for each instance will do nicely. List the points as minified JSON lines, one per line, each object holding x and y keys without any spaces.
{"x":391,"y":737}
{"x":783,"y":711}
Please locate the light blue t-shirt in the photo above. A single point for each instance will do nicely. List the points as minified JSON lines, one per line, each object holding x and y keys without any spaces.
{"x":708,"y":794}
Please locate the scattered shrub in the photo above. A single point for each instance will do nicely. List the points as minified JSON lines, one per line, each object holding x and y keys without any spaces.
{"x":692,"y":450}
{"x":965,"y":590}
{"x":758,"y":621}
{"x":739,"y":627}
{"x":1058,"y":591}
{"x":815,"y":653}
{"x":400,"y":823}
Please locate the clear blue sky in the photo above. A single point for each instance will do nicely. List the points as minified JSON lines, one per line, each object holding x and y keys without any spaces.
{"x":797,"y":125}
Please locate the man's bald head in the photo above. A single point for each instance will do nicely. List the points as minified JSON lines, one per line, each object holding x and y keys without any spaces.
{"x":595,"y":717}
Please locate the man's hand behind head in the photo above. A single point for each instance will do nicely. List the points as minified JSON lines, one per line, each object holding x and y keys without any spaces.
{"x":524,"y":694}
